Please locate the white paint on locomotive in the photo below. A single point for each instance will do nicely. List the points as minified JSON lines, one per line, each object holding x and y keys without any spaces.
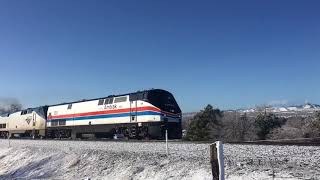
{"x":103,"y":111}
{"x":30,"y":122}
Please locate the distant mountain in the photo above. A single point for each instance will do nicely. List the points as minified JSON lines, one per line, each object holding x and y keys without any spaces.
{"x":308,"y":107}
{"x":286,"y":111}
{"x":189,"y":114}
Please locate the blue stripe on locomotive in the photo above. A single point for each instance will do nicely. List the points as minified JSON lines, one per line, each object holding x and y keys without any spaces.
{"x":107,"y":116}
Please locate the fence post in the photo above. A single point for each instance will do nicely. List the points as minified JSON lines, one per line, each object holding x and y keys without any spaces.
{"x":9,"y":140}
{"x":167,"y":149}
{"x":217,"y":160}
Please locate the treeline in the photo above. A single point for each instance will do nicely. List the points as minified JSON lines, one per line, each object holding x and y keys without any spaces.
{"x":213,"y":124}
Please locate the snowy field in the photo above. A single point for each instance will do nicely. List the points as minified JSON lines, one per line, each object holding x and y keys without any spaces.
{"x":40,"y":159}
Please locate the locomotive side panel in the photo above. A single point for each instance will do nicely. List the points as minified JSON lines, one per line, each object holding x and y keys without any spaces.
{"x":95,"y":113}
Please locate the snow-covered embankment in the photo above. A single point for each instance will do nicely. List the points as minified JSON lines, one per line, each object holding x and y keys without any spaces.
{"x":41,"y":159}
{"x":31,"y":159}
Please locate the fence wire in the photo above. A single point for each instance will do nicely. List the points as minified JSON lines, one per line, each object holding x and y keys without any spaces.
{"x":278,"y":163}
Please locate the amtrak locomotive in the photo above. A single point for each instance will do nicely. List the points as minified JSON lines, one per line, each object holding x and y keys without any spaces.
{"x":139,"y":115}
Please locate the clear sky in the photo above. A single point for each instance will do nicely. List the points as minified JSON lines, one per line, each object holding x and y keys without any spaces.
{"x":231,"y":54}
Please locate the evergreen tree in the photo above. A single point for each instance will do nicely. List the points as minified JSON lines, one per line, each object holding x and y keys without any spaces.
{"x":317,"y":116}
{"x":243,"y":126}
{"x":205,"y":125}
{"x":266,"y":122}
{"x":316,"y":121}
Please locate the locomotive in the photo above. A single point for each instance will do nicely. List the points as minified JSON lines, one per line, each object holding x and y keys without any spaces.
{"x":140,"y":115}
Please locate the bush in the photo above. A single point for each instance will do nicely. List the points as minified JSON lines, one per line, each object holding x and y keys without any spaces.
{"x":286,"y":132}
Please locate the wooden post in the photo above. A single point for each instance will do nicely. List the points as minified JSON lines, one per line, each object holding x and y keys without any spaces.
{"x":216,"y":160}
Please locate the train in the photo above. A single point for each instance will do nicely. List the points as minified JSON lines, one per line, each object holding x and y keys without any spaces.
{"x":148,"y":114}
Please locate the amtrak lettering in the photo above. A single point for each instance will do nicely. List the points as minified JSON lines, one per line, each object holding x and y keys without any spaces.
{"x":111,"y":106}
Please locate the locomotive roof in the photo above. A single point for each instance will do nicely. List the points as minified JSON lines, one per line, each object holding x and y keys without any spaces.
{"x":84,"y":100}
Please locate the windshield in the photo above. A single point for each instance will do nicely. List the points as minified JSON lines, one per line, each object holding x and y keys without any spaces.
{"x":163,"y":100}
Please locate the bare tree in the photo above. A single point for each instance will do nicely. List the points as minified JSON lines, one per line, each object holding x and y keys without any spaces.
{"x":238,"y":127}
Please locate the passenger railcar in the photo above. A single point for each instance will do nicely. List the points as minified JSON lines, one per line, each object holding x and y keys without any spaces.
{"x":143,"y":114}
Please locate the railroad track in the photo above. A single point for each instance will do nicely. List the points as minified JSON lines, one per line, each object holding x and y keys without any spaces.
{"x":281,"y":142}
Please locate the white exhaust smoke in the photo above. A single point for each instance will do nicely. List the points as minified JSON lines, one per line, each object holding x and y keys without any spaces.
{"x":9,"y":105}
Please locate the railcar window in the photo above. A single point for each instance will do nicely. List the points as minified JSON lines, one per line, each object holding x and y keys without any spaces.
{"x":54,"y":123}
{"x":62,"y":122}
{"x":120,"y":99}
{"x":69,"y":106}
{"x":101,"y":101}
{"x":108,"y":101}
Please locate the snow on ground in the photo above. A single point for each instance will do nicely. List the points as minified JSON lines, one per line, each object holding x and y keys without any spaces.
{"x":41,"y":159}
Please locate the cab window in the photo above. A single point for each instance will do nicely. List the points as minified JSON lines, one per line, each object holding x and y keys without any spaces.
{"x":120,"y":99}
{"x":108,"y":101}
{"x":100,"y":102}
{"x":24,"y":112}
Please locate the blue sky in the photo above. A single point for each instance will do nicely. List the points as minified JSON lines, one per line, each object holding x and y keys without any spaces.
{"x":231,"y":54}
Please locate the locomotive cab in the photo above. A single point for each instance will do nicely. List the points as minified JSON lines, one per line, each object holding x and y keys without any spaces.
{"x":170,"y":112}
